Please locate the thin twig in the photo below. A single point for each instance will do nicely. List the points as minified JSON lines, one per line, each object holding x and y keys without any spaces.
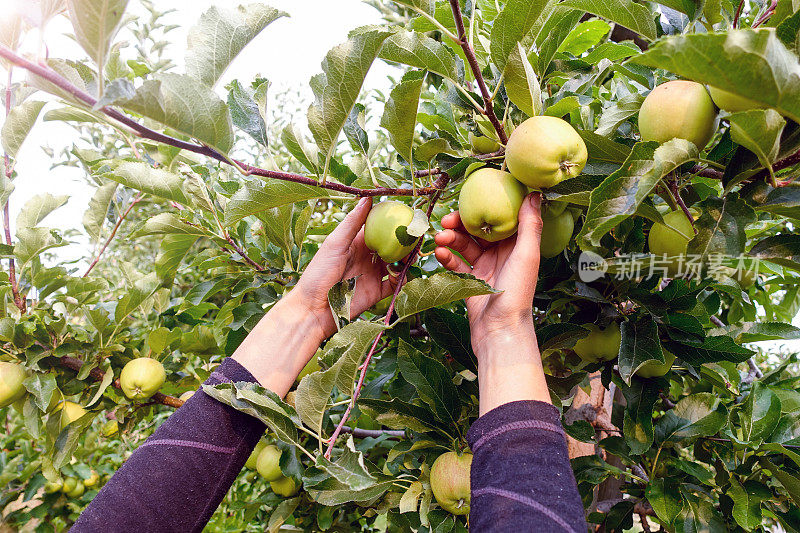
{"x":767,"y":14}
{"x":374,"y":433}
{"x":241,"y":252}
{"x":121,"y":218}
{"x":738,"y":14}
{"x":12,"y":269}
{"x":717,"y":322}
{"x":488,"y":109}
{"x":676,"y":193}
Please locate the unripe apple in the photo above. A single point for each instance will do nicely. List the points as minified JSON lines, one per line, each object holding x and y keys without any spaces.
{"x":554,"y":208}
{"x":489,"y":204}
{"x":483,"y":145}
{"x":678,"y":109}
{"x":556,"y":232}
{"x":52,"y":486}
{"x":654,"y":369}
{"x":733,"y":103}
{"x":450,"y":482}
{"x":544,"y":151}
{"x":69,"y":485}
{"x":664,"y":240}
{"x":285,"y":487}
{"x":110,"y":428}
{"x":78,"y":491}
{"x":11,"y":388}
{"x":92,"y":481}
{"x":599,"y":344}
{"x":268,"y":463}
{"x":70,"y":412}
{"x":380,"y":230}
{"x":252,"y":461}
{"x":141,"y":378}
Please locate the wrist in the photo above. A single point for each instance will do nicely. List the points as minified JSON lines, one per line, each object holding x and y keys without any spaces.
{"x":489,"y":341}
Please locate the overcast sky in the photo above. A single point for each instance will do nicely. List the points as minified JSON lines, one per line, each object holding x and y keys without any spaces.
{"x":288,"y":53}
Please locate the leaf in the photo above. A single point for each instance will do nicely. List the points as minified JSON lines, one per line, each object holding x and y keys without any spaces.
{"x":750,"y":63}
{"x":586,"y":35}
{"x":419,"y":51}
{"x":78,"y":74}
{"x":758,"y":130}
{"x":451,"y":331}
{"x":42,"y":387}
{"x":143,"y":177}
{"x":397,"y":414}
{"x":178,"y":101}
{"x":410,"y":500}
{"x":167,"y":223}
{"x":354,"y":129}
{"x":789,"y":482}
{"x":783,"y":201}
{"x":331,"y":492}
{"x":400,"y":113}
{"x":760,"y":413}
{"x":18,"y":124}
{"x":788,"y":31}
{"x":635,"y":17}
{"x":339,"y":298}
{"x":296,"y":145}
{"x":95,"y":23}
{"x":621,"y":193}
{"x":432,"y":381}
{"x":419,"y":224}
{"x":781,"y":249}
{"x":33,"y":241}
{"x":721,"y":228}
{"x":137,"y":293}
{"x":665,"y":498}
{"x":172,"y":250}
{"x":258,"y":196}
{"x":698,"y":515}
{"x":6,"y":188}
{"x":512,"y":26}
{"x":603,"y":149}
{"x":120,"y":89}
{"x":349,"y":468}
{"x":439,"y":289}
{"x":698,"y":415}
{"x":747,"y":502}
{"x":220,"y":34}
{"x":641,"y":396}
{"x":618,"y":112}
{"x":96,"y":213}
{"x":521,"y":83}
{"x":639,"y":345}
{"x":246,"y":114}
{"x":37,"y":208}
{"x":710,"y":350}
{"x":337,"y":87}
{"x":282,"y":513}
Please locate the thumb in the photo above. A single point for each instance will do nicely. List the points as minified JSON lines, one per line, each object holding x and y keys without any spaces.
{"x":348,"y":228}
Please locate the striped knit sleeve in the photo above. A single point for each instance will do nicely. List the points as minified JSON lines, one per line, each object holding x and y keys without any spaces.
{"x":521,"y":476}
{"x":176,"y":479}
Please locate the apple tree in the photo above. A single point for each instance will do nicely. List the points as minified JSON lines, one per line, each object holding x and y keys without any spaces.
{"x":664,"y":136}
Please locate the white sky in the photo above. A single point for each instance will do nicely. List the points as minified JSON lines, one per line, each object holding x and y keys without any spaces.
{"x":288,"y":53}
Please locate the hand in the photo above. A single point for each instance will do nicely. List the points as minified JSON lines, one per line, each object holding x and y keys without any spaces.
{"x":344,"y":255}
{"x":511,"y":265}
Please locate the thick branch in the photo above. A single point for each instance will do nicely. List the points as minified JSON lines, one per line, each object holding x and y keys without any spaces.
{"x":97,"y":375}
{"x":113,"y":233}
{"x":488,"y":109}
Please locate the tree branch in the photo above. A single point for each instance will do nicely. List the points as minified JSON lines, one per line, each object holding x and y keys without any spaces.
{"x":19,"y":301}
{"x":488,"y":109}
{"x":374,"y":433}
{"x":122,"y":217}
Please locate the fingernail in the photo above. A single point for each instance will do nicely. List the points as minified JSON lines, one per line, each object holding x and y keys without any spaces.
{"x":536,"y":198}
{"x":363,"y":201}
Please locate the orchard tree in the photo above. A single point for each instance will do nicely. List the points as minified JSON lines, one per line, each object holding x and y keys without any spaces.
{"x":664,"y":136}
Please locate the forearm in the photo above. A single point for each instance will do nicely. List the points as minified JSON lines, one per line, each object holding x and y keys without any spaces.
{"x":510,"y":367}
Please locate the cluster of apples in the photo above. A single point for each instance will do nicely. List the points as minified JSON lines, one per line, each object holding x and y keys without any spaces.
{"x":603,"y":344}
{"x":266,"y":460}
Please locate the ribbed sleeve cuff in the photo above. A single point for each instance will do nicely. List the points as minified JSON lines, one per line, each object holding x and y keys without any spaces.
{"x":229,"y":371}
{"x":531,"y":414}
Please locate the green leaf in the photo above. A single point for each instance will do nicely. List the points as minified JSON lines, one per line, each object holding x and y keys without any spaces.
{"x":33,"y":241}
{"x":168,"y":223}
{"x":639,"y":345}
{"x":636,"y":17}
{"x":758,"y":130}
{"x":6,"y":188}
{"x":349,"y":468}
{"x":140,"y":291}
{"x":178,"y":101}
{"x":172,"y":250}
{"x":337,"y":87}
{"x":664,"y":497}
{"x":711,"y":350}
{"x":95,"y":23}
{"x":296,"y":145}
{"x":521,"y":83}
{"x":584,"y":36}
{"x":698,"y":515}
{"x":37,"y":208}
{"x":512,"y":26}
{"x":783,"y":201}
{"x":721,"y":227}
{"x":438,"y":290}
{"x":419,"y":51}
{"x":618,"y":112}
{"x":258,"y":196}
{"x":219,"y":36}
{"x":78,"y":74}
{"x":432,"y":381}
{"x":750,"y":63}
{"x":747,"y":500}
{"x":637,"y":427}
{"x":96,"y":213}
{"x":354,"y":129}
{"x":398,"y":414}
{"x":603,"y":149}
{"x":71,"y":114}
{"x":143,"y":177}
{"x":760,"y":413}
{"x":698,"y":415}
{"x":282,"y":513}
{"x":332,"y":492}
{"x":400,"y":113}
{"x":340,"y":296}
{"x":451,"y":331}
{"x":246,"y":114}
{"x":277,"y":224}
{"x":788,"y":31}
{"x":42,"y":387}
{"x":18,"y":124}
{"x":621,"y":193}
{"x":789,"y":482}
{"x":781,"y":249}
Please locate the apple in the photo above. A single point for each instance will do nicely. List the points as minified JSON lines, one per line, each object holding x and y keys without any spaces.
{"x":450,"y":482}
{"x":70,"y":412}
{"x":599,"y":344}
{"x":284,"y":486}
{"x":544,"y":151}
{"x":671,"y":239}
{"x":69,"y":484}
{"x":110,"y":428}
{"x":11,"y":388}
{"x":489,"y":204}
{"x":555,"y":208}
{"x":380,"y":230}
{"x":252,"y":460}
{"x":186,"y":395}
{"x":678,"y":109}
{"x":731,"y":102}
{"x":268,"y":463}
{"x":141,"y":378}
{"x":78,"y":491}
{"x":654,"y":369}
{"x":92,"y":480}
{"x":556,"y":232}
{"x":52,"y":486}
{"x":483,"y":145}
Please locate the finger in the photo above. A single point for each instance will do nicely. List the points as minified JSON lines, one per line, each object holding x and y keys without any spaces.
{"x":460,"y":242}
{"x":529,"y":234}
{"x":452,"y":221}
{"x":346,"y":231}
{"x":451,"y":261}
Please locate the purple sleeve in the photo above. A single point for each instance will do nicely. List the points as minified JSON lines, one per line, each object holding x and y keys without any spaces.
{"x":176,"y":479}
{"x":521,"y":476}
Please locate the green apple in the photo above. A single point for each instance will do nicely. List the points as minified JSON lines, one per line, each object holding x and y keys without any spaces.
{"x":285,"y":487}
{"x":109,"y":428}
{"x":78,"y":491}
{"x":556,"y":232}
{"x":52,"y":486}
{"x":380,"y":230}
{"x":141,"y":378}
{"x":69,"y":485}
{"x":483,"y":145}
{"x":252,"y":461}
{"x":450,"y":482}
{"x":600,"y":344}
{"x":654,"y":369}
{"x":11,"y":388}
{"x":671,"y":239}
{"x":70,"y":412}
{"x":731,"y":102}
{"x":93,"y":479}
{"x":489,"y":204}
{"x":554,"y":208}
{"x":678,"y":109}
{"x":544,"y":151}
{"x":268,"y":463}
